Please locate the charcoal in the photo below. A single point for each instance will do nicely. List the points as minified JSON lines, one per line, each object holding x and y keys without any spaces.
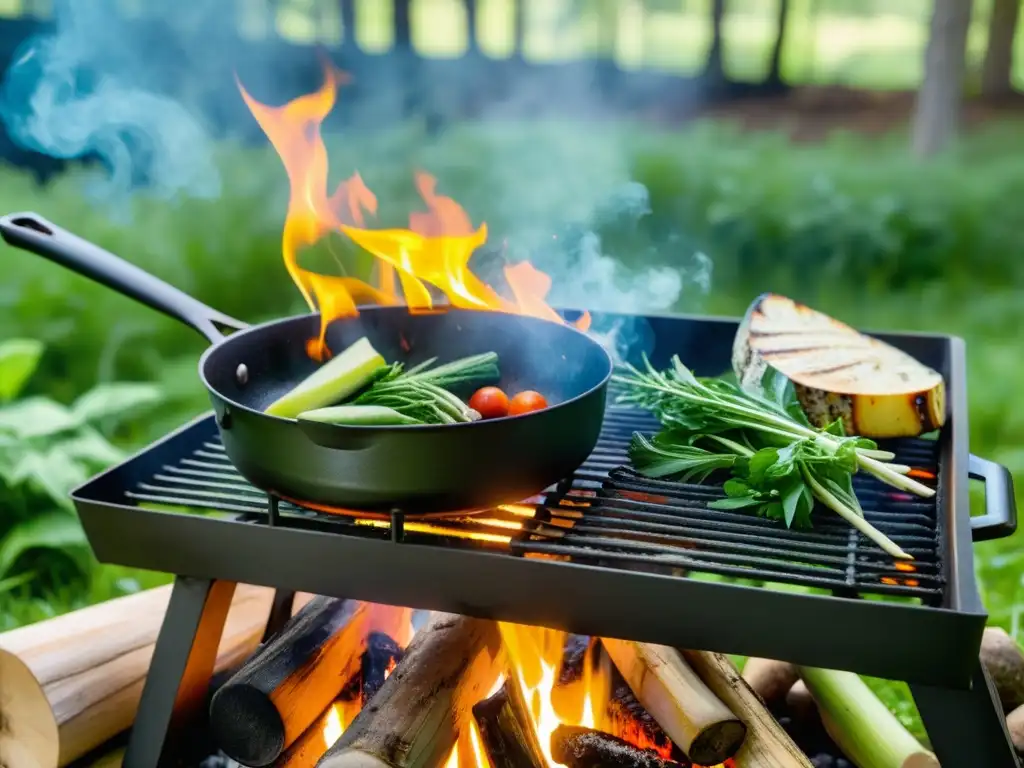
{"x":574,"y":655}
{"x":823,"y":760}
{"x":841,"y":763}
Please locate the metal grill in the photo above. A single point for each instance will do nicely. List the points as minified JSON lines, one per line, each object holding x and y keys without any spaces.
{"x":607,"y":514}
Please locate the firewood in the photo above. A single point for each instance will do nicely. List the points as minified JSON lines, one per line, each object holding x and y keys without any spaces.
{"x":506,"y":728}
{"x":770,"y":679}
{"x":692,"y":716}
{"x":767,"y":745}
{"x":307,"y":750}
{"x":574,"y":656}
{"x":578,"y":747}
{"x":1015,"y":725}
{"x":290,"y":681}
{"x":382,"y":654}
{"x":71,"y":683}
{"x":415,"y":718}
{"x":1004,"y":662}
{"x":627,"y":719}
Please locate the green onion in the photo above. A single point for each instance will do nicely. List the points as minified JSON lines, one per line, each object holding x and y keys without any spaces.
{"x":860,"y":724}
{"x":357,"y":415}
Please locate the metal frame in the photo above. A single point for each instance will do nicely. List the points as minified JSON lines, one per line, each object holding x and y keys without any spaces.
{"x":889,"y":640}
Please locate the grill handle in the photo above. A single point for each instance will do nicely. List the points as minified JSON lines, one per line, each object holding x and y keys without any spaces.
{"x":1000,"y":518}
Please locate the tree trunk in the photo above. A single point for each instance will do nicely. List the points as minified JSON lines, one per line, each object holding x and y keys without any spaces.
{"x":402,"y":25}
{"x":937,"y":114}
{"x":471,"y":16}
{"x":997,"y":69}
{"x":348,"y":22}
{"x":775,"y":63}
{"x":714,"y":68}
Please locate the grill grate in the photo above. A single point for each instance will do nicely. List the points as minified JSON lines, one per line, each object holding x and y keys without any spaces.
{"x":607,"y":514}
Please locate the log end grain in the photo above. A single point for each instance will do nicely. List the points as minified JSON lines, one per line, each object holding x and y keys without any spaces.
{"x":28,"y":730}
{"x":246,"y":725}
{"x":722,"y":738}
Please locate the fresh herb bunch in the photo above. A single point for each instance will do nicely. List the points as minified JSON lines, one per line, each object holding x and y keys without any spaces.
{"x":422,"y":392}
{"x":779,"y":462}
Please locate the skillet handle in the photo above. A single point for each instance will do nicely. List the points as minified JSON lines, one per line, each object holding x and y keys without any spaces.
{"x":1000,"y":518}
{"x":31,"y":232}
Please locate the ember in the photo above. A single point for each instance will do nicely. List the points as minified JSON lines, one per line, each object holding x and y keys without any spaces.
{"x":434,"y":251}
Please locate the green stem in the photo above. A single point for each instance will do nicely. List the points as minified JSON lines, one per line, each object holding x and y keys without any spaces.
{"x":862,"y":525}
{"x":732,"y":445}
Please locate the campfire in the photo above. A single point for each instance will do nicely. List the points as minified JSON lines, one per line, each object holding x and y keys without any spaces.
{"x":349,"y":683}
{"x":424,"y":267}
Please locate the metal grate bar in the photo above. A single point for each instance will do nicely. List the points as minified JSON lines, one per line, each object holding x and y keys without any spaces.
{"x":610,"y":515}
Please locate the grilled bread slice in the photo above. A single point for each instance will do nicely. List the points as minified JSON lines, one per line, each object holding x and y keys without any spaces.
{"x":877,"y":390}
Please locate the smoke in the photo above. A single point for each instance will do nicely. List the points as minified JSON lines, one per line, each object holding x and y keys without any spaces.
{"x":94,"y":87}
{"x":561,"y":193}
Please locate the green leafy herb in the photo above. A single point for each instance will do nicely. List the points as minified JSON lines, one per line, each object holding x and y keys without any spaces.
{"x":779,"y":463}
{"x":422,"y":392}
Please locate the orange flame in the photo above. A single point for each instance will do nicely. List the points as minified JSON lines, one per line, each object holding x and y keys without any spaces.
{"x":434,"y":251}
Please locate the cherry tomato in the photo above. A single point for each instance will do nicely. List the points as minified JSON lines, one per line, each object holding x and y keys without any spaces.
{"x":489,"y":402}
{"x":527,"y":401}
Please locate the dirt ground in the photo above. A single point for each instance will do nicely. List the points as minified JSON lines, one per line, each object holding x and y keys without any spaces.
{"x":809,"y":113}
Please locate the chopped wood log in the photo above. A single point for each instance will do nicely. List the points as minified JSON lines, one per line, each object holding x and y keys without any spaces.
{"x":697,"y":721}
{"x":1015,"y":725}
{"x":1002,"y":658}
{"x":414,"y":720}
{"x":770,"y":679}
{"x":506,"y":728}
{"x":382,"y":653}
{"x":627,"y":719}
{"x":767,"y":744}
{"x":71,"y":683}
{"x":306,"y":751}
{"x":290,"y":681}
{"x":578,"y":747}
{"x":574,"y":656}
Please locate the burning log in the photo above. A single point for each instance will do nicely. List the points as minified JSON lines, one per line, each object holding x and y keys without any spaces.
{"x":767,"y":745}
{"x":627,"y":717}
{"x":685,"y":708}
{"x":578,"y":747}
{"x":414,"y":720}
{"x":290,"y":681}
{"x":306,"y":751}
{"x":574,"y":657}
{"x":1004,"y":662}
{"x":70,"y":684}
{"x":770,"y":679}
{"x":506,"y":728}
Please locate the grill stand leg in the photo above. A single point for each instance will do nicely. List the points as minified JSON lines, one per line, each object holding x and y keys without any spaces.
{"x":179,"y":674}
{"x":966,"y":727}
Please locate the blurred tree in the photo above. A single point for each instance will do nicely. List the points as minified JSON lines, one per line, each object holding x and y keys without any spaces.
{"x":775,"y":64}
{"x":937,"y":113}
{"x":714,"y":69}
{"x":402,"y":25}
{"x":347,"y":9}
{"x":997,"y":69}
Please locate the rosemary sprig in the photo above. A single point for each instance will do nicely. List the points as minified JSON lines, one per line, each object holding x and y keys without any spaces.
{"x":422,"y":392}
{"x":779,"y":463}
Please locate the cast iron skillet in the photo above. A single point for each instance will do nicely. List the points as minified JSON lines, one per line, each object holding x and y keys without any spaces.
{"x":413,"y":469}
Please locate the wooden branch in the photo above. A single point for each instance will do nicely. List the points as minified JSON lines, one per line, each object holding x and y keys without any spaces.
{"x":71,"y":683}
{"x":506,"y":728}
{"x":767,"y":745}
{"x":627,"y":719}
{"x":290,"y":681}
{"x":692,"y":716}
{"x":578,"y":747}
{"x":306,"y":751}
{"x":414,"y":720}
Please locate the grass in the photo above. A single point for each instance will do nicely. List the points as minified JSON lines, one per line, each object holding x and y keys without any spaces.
{"x":856,"y":229}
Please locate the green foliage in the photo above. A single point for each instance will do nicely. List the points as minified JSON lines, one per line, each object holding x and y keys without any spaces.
{"x":46,"y":449}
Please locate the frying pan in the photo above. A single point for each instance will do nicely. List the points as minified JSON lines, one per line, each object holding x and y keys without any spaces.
{"x":426,"y":469}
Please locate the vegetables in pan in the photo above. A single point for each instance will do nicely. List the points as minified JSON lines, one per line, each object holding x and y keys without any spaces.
{"x":358,"y":388}
{"x":779,"y":462}
{"x":332,"y":382}
{"x":838,"y":373}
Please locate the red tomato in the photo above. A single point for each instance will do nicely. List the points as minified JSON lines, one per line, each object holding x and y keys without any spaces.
{"x":527,"y":401}
{"x":489,"y":402}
